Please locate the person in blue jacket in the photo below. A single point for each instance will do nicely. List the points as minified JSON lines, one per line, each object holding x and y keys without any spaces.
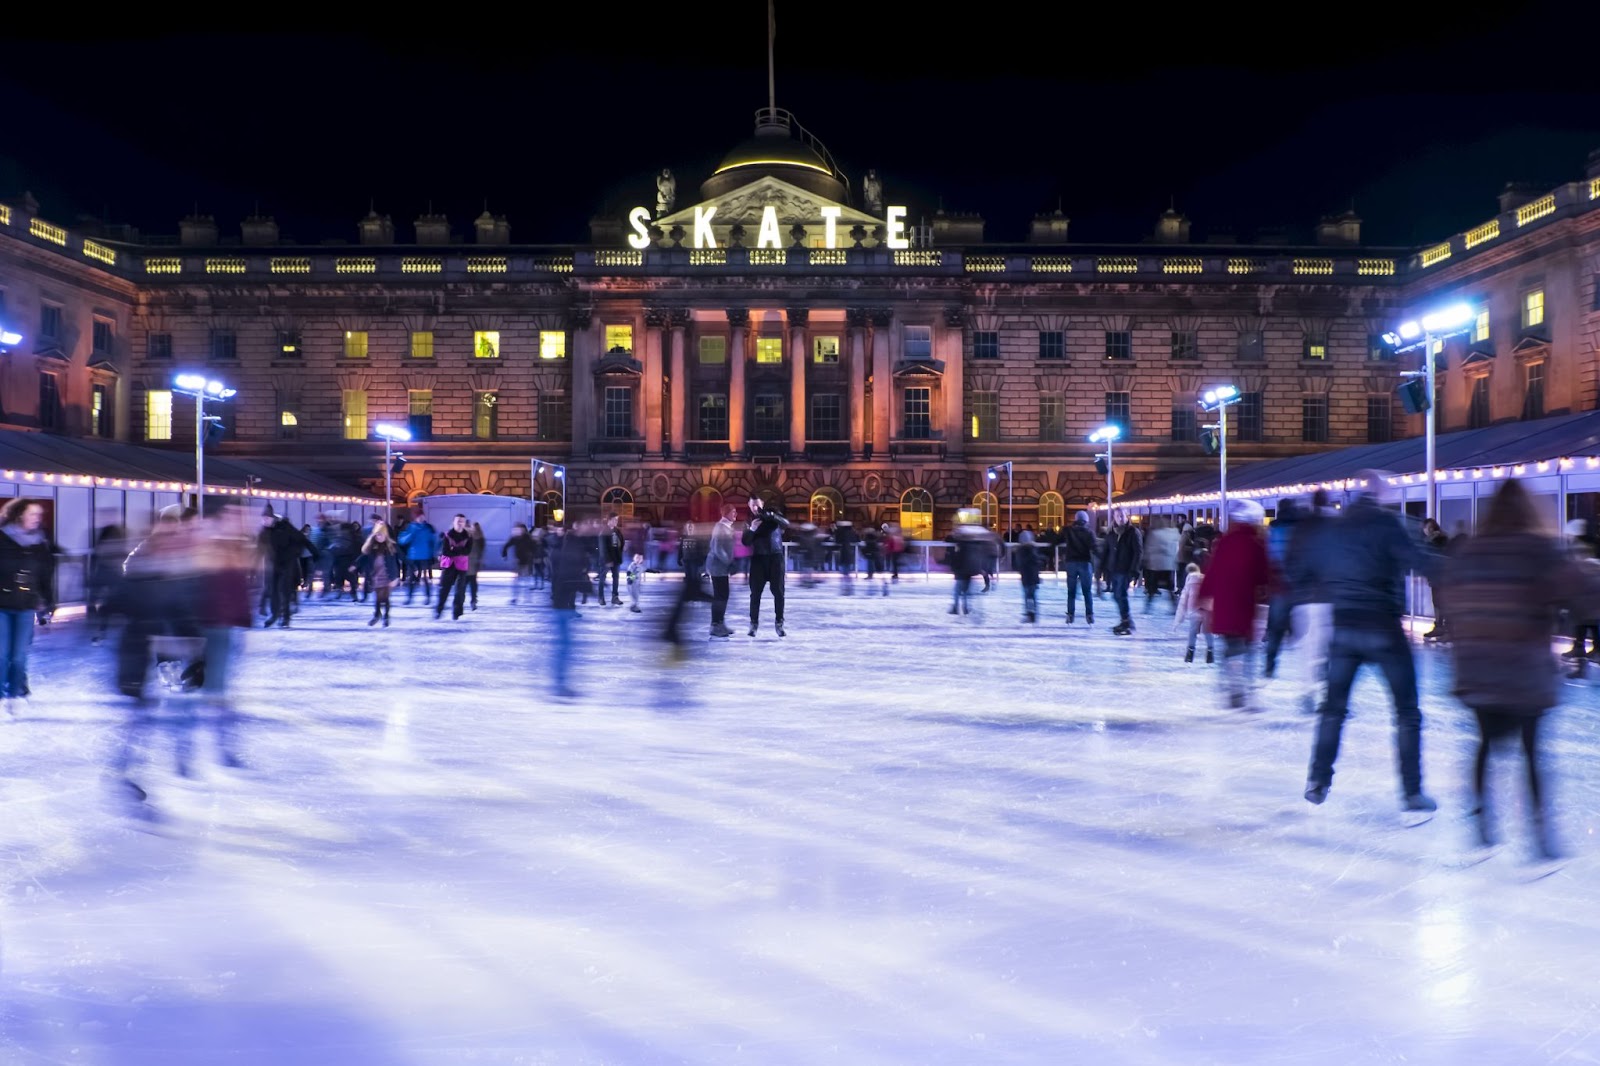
{"x":420,"y":542}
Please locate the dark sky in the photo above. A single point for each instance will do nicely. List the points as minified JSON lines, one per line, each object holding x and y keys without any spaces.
{"x":1245,"y":122}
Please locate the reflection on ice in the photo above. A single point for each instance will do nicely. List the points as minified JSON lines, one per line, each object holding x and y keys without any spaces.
{"x":889,"y":836}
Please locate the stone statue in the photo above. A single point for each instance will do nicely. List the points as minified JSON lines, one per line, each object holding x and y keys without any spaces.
{"x":666,"y":192}
{"x":872,"y":192}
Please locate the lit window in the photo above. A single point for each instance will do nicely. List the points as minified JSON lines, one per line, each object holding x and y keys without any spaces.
{"x":355,"y":414}
{"x":769,"y":349}
{"x":825,"y":350}
{"x":919,"y":342}
{"x":1533,"y":309}
{"x":552,"y":344}
{"x":100,"y":411}
{"x":1480,"y":328}
{"x":1052,"y":510}
{"x":486,"y":415}
{"x":619,"y":337}
{"x":355,"y":346}
{"x":713,"y":350}
{"x":985,"y":415}
{"x":288,"y":344}
{"x":422,"y":344}
{"x":288,"y":418}
{"x":1316,"y":346}
{"x":158,"y":414}
{"x":486,"y":344}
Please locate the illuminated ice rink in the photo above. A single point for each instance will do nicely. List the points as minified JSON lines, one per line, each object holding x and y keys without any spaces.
{"x":892,"y":837}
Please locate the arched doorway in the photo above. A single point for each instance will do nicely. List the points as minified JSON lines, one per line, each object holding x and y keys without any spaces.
{"x":827,"y":507}
{"x":1052,"y":512}
{"x":916,"y":514}
{"x":550,"y":509}
{"x":705,"y":505}
{"x":988,"y":506}
{"x":617,"y":501}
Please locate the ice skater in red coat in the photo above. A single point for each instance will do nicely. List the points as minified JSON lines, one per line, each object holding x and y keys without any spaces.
{"x":1235,"y":581}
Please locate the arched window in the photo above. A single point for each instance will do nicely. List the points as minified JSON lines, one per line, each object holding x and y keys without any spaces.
{"x":550,"y":513}
{"x":617,"y":501}
{"x":827,"y":507}
{"x":705,"y":505}
{"x":916,"y":514}
{"x":1052,"y":511}
{"x":988,"y":505}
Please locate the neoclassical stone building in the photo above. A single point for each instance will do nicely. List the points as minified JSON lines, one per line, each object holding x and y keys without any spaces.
{"x":788,"y":332}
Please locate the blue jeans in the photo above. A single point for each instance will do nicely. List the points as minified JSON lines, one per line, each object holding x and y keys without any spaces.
{"x":561,"y":653}
{"x":16,"y":634}
{"x":1388,"y":650}
{"x":1119,"y":592}
{"x":1080,"y":575}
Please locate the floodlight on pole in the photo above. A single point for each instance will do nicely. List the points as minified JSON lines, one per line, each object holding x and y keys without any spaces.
{"x":202,"y":389}
{"x":1107,"y":435}
{"x":10,"y":337}
{"x":1434,"y":327}
{"x":557,"y":471}
{"x":1218,"y":399}
{"x":1011,"y":501}
{"x":390,"y":433}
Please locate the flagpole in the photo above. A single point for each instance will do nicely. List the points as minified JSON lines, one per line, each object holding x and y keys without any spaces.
{"x":772,"y":32}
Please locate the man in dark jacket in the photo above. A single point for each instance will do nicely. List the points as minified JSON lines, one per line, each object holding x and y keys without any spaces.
{"x":612,"y":545}
{"x":1310,"y":609}
{"x":282,"y":545}
{"x":569,"y":576}
{"x":1366,"y":556}
{"x":1119,"y":558}
{"x":764,"y":537}
{"x":1077,"y":551}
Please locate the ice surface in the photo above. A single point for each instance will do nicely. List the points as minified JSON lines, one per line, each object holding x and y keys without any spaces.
{"x":891,"y":837}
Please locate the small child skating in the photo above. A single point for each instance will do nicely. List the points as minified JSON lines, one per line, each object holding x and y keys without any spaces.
{"x":1189,"y":610}
{"x":635,"y":579}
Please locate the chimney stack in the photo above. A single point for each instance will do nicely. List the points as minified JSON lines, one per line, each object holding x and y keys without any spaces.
{"x":259,"y":230}
{"x":433,"y":229}
{"x":376,"y":229}
{"x":492,"y":229}
{"x":198,"y":231}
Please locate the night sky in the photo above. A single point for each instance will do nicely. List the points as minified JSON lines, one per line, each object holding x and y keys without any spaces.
{"x":552,"y":123}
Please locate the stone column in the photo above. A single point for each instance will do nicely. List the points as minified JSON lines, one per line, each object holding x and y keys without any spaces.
{"x":856,"y":370}
{"x":655,"y":324}
{"x":679,"y":323}
{"x":585,"y":350}
{"x":954,"y":384}
{"x":885,"y":350}
{"x":739,"y":320}
{"x":799,"y":318}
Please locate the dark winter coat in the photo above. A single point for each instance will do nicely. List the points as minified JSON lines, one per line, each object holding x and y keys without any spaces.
{"x":569,"y":575}
{"x":613,"y":544}
{"x":1502,"y":595}
{"x":521,"y":548}
{"x":1122,"y":551}
{"x":1078,"y":545}
{"x":764,"y":534}
{"x":1025,"y":561}
{"x":1307,"y":544}
{"x":26,"y":572}
{"x":1368,"y":554}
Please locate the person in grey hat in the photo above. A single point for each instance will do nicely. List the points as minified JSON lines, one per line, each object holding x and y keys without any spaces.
{"x":1362,"y":570}
{"x":1077,"y":551}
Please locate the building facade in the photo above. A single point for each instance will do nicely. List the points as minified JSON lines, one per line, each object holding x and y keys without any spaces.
{"x":786,"y":333}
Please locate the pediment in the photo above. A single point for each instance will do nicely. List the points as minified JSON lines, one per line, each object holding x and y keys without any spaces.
{"x":1529,"y":344}
{"x":743,"y":206}
{"x":924,"y":369}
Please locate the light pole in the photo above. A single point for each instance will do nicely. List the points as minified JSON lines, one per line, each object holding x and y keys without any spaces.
{"x":202,"y":389}
{"x":1106,"y":434}
{"x":390,"y":433}
{"x":559,"y":472}
{"x":1011,"y":504}
{"x":1434,"y":328}
{"x":1217,"y":400}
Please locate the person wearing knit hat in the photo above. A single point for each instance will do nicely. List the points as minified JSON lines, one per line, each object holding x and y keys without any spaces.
{"x":1237,"y":580}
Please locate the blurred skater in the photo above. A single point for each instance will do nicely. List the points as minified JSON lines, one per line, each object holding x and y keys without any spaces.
{"x":27,"y":567}
{"x":1503,"y":591}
